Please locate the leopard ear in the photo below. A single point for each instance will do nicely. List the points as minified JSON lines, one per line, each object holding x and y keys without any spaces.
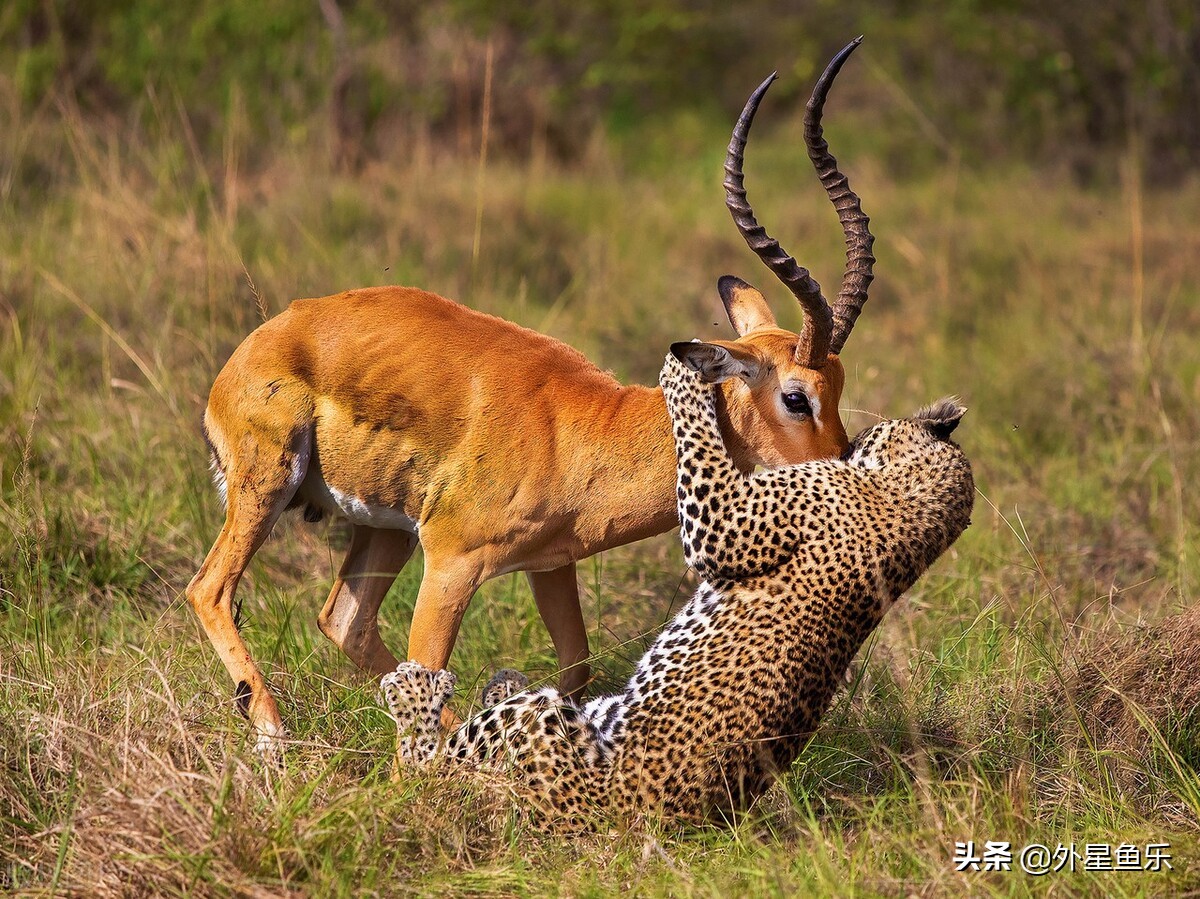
{"x":718,"y":361}
{"x":942,"y":417}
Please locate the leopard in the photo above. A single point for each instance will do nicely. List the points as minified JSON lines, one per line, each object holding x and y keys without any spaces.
{"x":798,"y":566}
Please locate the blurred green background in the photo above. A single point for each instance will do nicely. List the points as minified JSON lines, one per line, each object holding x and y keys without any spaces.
{"x":1014,"y":78}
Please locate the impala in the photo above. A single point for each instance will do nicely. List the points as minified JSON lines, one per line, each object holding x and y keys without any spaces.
{"x":497,"y":448}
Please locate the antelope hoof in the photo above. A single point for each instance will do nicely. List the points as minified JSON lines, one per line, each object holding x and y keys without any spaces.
{"x":269,"y":743}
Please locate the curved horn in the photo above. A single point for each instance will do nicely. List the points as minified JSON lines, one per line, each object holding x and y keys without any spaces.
{"x":817,"y":333}
{"x":859,"y":261}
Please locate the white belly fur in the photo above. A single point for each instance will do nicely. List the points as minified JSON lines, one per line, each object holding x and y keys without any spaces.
{"x":316,"y":492}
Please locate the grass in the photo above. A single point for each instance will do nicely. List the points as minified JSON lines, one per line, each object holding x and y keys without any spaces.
{"x":1036,"y":686}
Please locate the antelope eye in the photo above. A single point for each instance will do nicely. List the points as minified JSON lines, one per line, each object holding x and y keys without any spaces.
{"x":797,"y":403}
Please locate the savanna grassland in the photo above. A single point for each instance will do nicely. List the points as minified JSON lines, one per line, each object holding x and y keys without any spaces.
{"x":1039,"y":685}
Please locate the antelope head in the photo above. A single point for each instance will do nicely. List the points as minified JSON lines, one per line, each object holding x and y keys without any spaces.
{"x":781,"y":389}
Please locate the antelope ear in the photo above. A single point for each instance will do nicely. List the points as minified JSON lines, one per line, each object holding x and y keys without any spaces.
{"x":942,"y":417}
{"x":746,"y":307}
{"x":717,"y":362}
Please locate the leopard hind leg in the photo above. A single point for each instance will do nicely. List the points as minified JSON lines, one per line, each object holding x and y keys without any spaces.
{"x":415,"y":696}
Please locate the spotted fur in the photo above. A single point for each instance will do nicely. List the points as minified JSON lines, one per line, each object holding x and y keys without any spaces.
{"x":799,"y":566}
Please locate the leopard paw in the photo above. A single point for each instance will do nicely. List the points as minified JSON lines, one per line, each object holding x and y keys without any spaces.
{"x":412,"y":690}
{"x":504,"y":683}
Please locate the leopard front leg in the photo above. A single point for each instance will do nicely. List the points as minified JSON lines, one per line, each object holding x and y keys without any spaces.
{"x":730,"y":527}
{"x":415,"y":696}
